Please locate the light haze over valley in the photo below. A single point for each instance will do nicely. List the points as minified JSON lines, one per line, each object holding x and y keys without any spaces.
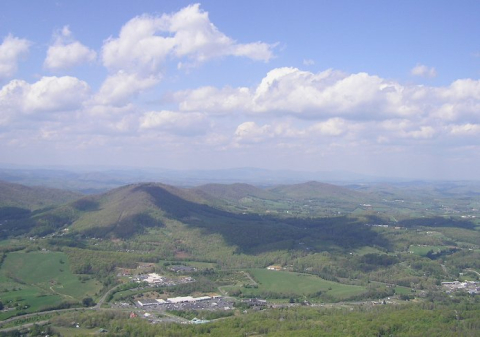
{"x":239,"y":168}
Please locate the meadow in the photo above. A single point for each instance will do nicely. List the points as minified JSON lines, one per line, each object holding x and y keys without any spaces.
{"x":296,"y":285}
{"x":36,"y":281}
{"x":424,"y":249}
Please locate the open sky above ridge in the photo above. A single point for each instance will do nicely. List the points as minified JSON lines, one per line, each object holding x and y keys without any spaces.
{"x":386,"y":88}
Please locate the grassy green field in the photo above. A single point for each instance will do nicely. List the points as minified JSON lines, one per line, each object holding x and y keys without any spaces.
{"x":67,"y":332}
{"x":367,"y":250}
{"x":196,"y":264}
{"x":297,"y":284}
{"x":403,"y":290}
{"x":201,"y":265}
{"x":423,"y":250}
{"x":37,"y":280}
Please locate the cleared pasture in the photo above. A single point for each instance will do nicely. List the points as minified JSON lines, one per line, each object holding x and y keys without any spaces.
{"x":298,"y":284}
{"x":423,"y":250}
{"x":31,"y":282}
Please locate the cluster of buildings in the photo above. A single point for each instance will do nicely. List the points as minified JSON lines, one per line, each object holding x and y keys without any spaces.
{"x":472,"y":287}
{"x":155,"y":279}
{"x":182,"y":269}
{"x":174,"y":300}
{"x":255,"y":303}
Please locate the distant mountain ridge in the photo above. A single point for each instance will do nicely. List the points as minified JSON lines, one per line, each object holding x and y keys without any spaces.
{"x":315,"y":189}
{"x":16,"y":195}
{"x":243,"y":217}
{"x":177,"y":212}
{"x":232,"y":192}
{"x":129,"y":209}
{"x":96,"y":181}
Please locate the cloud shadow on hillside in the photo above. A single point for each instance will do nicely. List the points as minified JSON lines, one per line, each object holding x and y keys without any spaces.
{"x":253,"y":233}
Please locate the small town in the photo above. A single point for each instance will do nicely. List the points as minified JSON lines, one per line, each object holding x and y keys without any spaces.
{"x":472,"y":287}
{"x":212,"y":303}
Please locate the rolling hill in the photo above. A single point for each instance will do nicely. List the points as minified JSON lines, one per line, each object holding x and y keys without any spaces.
{"x":32,"y":198}
{"x":317,"y":190}
{"x":243,"y":216}
{"x":136,"y":210}
{"x":233,"y":192}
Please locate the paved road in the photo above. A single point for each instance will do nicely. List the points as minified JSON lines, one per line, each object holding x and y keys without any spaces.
{"x":250,"y":278}
{"x":23,"y":326}
{"x":473,"y":271}
{"x":102,"y":299}
{"x":96,"y":307}
{"x":11,"y":319}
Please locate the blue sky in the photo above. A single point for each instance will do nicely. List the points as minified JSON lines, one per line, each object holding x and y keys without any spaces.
{"x":388,"y":88}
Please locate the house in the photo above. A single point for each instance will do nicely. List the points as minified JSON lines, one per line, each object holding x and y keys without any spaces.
{"x":147,"y":303}
{"x":175,"y":300}
{"x":181,"y":299}
{"x":154,"y":278}
{"x":182,"y":269}
{"x":274,"y":267}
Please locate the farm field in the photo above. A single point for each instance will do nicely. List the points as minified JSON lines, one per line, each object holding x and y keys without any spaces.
{"x":423,"y":250}
{"x":298,"y":284}
{"x":195,"y":264}
{"x":70,"y":332}
{"x":37,"y":280}
{"x":367,"y":250}
{"x":403,"y":290}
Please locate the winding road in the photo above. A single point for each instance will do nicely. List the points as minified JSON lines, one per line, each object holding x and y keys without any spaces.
{"x":26,"y":316}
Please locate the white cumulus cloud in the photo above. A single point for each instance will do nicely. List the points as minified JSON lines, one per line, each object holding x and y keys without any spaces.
{"x":308,"y":95}
{"x":66,"y":52}
{"x":215,"y":100}
{"x":423,"y":71}
{"x":250,"y":132}
{"x":118,"y":89}
{"x":308,"y":62}
{"x":465,"y":129}
{"x":178,"y":123}
{"x":462,"y":89}
{"x":422,"y":132}
{"x":287,"y":132}
{"x":11,"y":50}
{"x":331,"y":127}
{"x":48,"y":95}
{"x":146,"y":41}
{"x":333,"y":94}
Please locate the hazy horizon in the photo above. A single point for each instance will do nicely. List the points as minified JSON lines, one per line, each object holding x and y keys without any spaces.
{"x":26,"y":174}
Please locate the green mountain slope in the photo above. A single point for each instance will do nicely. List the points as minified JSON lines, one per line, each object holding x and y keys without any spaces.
{"x":134,"y":209}
{"x":16,"y":195}
{"x":233,"y":192}
{"x":316,"y":190}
